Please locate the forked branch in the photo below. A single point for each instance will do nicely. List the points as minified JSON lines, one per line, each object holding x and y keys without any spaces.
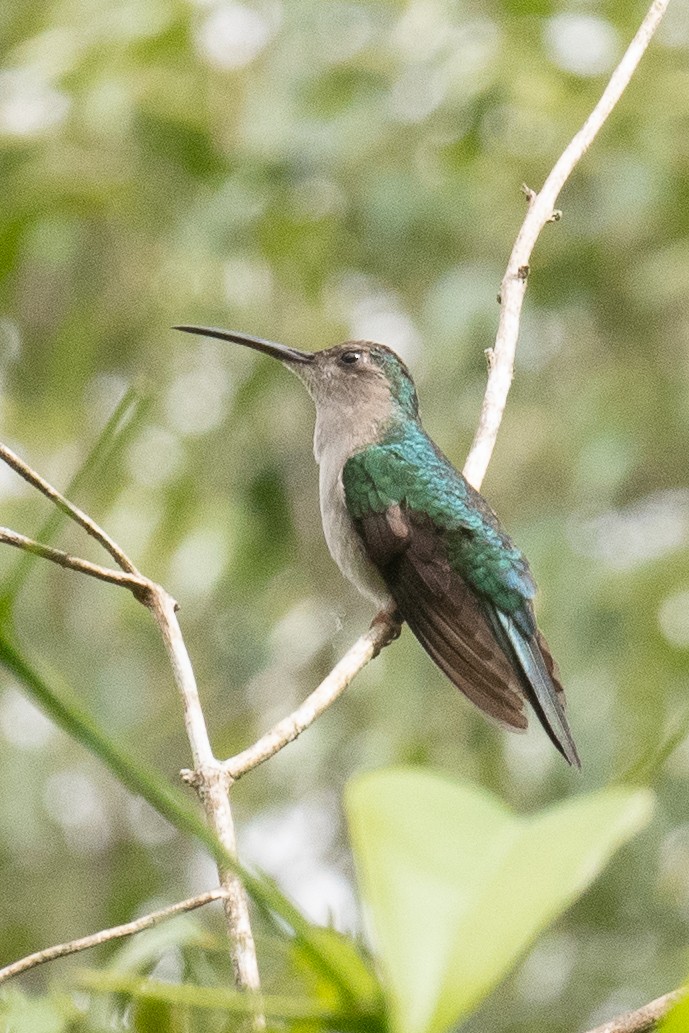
{"x":68,"y":508}
{"x":211,"y":781}
{"x":135,"y":582}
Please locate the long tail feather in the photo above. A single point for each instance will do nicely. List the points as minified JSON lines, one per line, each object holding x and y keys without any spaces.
{"x":538,"y":684}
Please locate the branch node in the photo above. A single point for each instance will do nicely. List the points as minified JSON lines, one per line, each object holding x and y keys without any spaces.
{"x":190,"y":778}
{"x":490,"y":356}
{"x":145,"y":593}
{"x":523,"y":272}
{"x":556,"y":216}
{"x":529,"y":194}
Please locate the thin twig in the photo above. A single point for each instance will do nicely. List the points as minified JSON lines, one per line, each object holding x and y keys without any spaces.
{"x":61,"y":950}
{"x":285,"y":731}
{"x":135,"y":582}
{"x":541,"y":211}
{"x":72,"y":511}
{"x":643,"y":1020}
{"x":212,"y":787}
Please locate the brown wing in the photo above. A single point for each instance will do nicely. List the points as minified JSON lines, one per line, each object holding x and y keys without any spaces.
{"x":442,"y":611}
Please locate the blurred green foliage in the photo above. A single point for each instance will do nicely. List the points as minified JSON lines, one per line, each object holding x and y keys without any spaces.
{"x":310,"y":172}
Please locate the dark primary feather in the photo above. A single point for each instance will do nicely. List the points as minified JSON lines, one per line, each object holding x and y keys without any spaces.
{"x":460,"y":583}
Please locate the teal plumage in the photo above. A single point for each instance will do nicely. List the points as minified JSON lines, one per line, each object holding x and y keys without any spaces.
{"x":408,"y":469}
{"x":456,"y":576}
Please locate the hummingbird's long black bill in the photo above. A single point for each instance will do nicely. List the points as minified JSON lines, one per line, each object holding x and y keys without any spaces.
{"x":278,"y":351}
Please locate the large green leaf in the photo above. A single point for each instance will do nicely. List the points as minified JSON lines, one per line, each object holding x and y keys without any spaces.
{"x":458,"y":886}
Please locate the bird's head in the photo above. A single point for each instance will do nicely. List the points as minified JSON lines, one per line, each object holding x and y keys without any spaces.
{"x":356,"y":374}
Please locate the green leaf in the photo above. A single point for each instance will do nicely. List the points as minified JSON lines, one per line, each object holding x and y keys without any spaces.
{"x":350,"y":963}
{"x":215,"y":997}
{"x":458,"y":886}
{"x":152,"y":1016}
{"x":649,"y":765}
{"x":677,"y":1019}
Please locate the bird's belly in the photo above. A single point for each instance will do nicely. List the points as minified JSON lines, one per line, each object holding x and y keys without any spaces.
{"x":344,"y":543}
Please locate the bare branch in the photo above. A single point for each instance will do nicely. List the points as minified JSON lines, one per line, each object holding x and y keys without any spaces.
{"x":72,"y":511}
{"x":381,"y":632}
{"x":542,"y":210}
{"x":135,"y":582}
{"x":644,"y":1019}
{"x":61,"y":950}
{"x":212,"y":788}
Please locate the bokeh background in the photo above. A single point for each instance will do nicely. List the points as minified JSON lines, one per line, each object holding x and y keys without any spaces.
{"x":310,"y":172}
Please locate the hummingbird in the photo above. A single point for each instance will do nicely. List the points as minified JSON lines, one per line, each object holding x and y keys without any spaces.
{"x":409,"y":531}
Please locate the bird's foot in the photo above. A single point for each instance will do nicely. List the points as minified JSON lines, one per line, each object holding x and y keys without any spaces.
{"x":391,"y":620}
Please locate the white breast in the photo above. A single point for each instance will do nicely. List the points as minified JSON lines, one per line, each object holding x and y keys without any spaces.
{"x":332,"y":451}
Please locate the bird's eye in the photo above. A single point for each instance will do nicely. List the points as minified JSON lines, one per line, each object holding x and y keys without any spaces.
{"x":350,"y":358}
